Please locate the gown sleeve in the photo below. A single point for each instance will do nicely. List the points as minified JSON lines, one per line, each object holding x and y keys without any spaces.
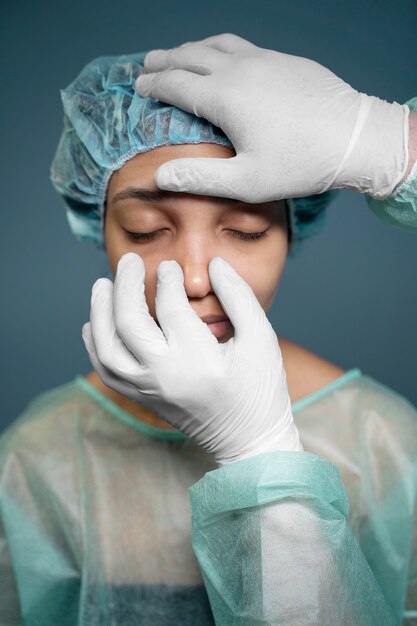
{"x":9,"y":605}
{"x":274,"y":544}
{"x":410,"y":609}
{"x":399,"y":209}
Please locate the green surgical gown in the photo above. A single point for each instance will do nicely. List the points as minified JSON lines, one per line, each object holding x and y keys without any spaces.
{"x":108,"y":521}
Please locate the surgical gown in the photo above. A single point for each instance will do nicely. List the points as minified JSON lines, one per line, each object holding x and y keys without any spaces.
{"x":400,"y":209}
{"x":108,"y":521}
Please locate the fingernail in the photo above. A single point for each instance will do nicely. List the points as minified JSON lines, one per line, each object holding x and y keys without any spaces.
{"x":168,"y":179}
{"x":143,"y":84}
{"x":226,"y":271}
{"x":153,"y":54}
{"x":164,"y":269}
{"x":95,"y":290}
{"x":223,"y":265}
{"x":85,"y":335}
{"x":125,"y":258}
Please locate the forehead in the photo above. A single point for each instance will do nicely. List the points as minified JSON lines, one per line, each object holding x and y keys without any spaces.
{"x":138,"y":172}
{"x":142,"y":167}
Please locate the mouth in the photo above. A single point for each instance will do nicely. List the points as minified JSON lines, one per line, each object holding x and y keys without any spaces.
{"x":212,"y":319}
{"x":220,"y":328}
{"x":219,"y":325}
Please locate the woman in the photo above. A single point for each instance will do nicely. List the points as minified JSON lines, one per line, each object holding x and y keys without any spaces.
{"x":95,"y":508}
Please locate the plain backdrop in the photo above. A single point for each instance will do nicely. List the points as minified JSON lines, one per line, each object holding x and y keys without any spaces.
{"x":351,"y":296}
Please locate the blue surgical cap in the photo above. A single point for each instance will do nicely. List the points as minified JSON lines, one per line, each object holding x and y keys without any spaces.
{"x":106,"y":123}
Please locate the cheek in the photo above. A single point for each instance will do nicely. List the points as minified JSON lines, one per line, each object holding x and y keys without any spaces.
{"x":263,"y":280}
{"x":117,"y":245}
{"x":263,"y":270}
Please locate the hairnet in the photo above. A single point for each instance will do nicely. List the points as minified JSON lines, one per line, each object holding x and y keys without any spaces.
{"x":106,"y":123}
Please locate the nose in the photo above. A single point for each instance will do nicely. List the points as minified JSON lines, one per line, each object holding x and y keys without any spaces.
{"x":196,"y":279}
{"x":198,"y":288}
{"x":193,"y":250}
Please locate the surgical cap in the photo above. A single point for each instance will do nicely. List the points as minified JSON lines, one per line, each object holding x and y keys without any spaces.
{"x":106,"y":123}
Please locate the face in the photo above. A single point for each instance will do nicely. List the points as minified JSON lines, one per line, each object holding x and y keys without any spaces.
{"x":192,"y":230}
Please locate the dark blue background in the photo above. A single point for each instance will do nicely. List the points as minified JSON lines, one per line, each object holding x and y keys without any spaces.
{"x":351,"y":296}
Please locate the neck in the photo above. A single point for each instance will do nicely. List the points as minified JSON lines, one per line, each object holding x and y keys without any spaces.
{"x":141,"y":413}
{"x":305,"y":372}
{"x":133,"y":408}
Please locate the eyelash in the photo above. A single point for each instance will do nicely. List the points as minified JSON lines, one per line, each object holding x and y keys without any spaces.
{"x":236,"y":233}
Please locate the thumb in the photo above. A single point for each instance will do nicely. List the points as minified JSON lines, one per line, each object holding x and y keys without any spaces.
{"x":224,"y":178}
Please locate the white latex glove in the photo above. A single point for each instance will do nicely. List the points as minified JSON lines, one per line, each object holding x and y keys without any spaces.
{"x":296,"y":127}
{"x":231,"y":398}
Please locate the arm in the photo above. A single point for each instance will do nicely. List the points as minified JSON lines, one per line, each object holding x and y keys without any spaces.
{"x":274,"y":545}
{"x":400,"y":209}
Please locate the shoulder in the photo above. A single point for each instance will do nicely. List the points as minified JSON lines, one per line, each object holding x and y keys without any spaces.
{"x":40,"y":454}
{"x":44,"y":419}
{"x":388,"y":413}
{"x":306,"y":371}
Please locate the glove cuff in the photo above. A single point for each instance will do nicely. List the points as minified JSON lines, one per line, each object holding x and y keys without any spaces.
{"x":288,"y":439}
{"x":376,"y":159}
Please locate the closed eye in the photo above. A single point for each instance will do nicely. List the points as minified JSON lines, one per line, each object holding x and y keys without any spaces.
{"x":235,"y":233}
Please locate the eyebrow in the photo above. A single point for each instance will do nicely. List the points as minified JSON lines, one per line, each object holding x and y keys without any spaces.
{"x":158,"y":196}
{"x":146,"y":195}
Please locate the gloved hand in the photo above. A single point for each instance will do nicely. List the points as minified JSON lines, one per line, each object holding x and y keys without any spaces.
{"x":231,"y":398}
{"x":296,"y":127}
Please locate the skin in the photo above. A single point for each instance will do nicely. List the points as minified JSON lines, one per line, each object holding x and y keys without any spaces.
{"x":195,"y":229}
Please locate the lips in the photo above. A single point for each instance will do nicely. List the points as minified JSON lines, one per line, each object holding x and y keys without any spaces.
{"x":220,"y":329}
{"x":211,"y":319}
{"x":208,"y":319}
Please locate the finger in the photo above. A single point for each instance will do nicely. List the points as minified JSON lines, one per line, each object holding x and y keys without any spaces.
{"x":135,"y":325}
{"x":197,"y":59}
{"x":238,"y":301}
{"x":178,"y":320}
{"x":106,"y":376}
{"x":225,"y":42}
{"x":223,"y":178}
{"x":185,"y":90}
{"x":110,"y":349}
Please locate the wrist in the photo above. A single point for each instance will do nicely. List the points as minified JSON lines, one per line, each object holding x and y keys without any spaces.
{"x":378,"y":163}
{"x":412,"y":148}
{"x":287,"y":439}
{"x":412,"y":142}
